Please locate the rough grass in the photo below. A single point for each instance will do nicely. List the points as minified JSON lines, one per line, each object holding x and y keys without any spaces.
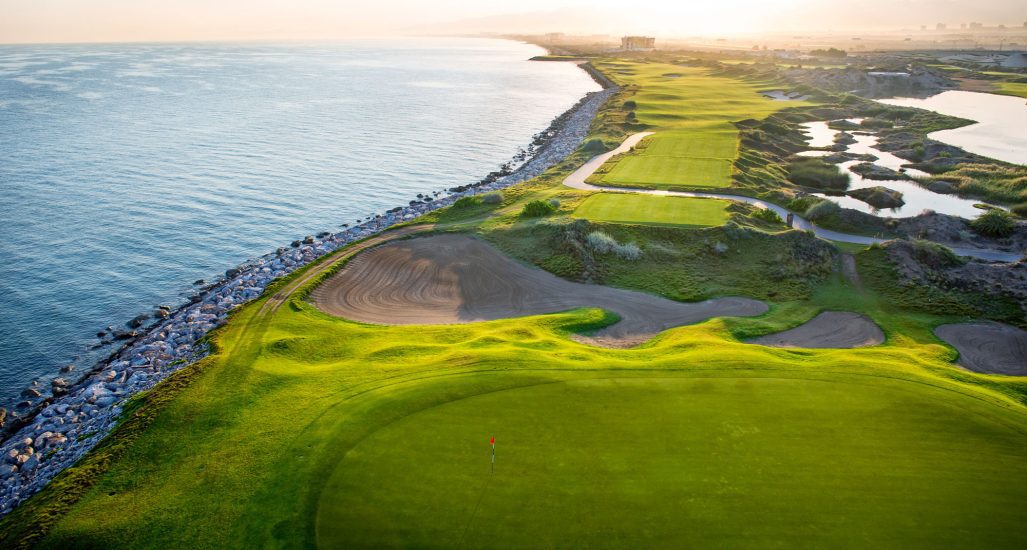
{"x":687,"y":264}
{"x":653,"y":210}
{"x":997,"y":182}
{"x":815,"y":173}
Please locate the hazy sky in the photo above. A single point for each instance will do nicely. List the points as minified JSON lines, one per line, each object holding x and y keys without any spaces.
{"x":158,"y":20}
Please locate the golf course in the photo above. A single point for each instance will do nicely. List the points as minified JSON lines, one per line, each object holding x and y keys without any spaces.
{"x":657,"y":371}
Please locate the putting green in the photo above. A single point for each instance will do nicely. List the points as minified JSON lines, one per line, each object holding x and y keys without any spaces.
{"x":653,"y":210}
{"x":687,"y":462}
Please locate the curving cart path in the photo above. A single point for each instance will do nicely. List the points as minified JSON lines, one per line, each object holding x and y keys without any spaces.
{"x":577,"y":181}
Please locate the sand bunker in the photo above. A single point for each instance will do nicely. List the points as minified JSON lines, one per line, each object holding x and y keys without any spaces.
{"x":988,"y":347}
{"x":457,"y":279}
{"x":830,"y":329}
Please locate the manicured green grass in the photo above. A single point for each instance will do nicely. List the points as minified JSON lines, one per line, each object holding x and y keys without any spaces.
{"x":670,"y":172}
{"x":715,"y":145}
{"x":653,"y":210}
{"x":701,"y":160}
{"x":1018,"y":89}
{"x":652,"y":459}
{"x":695,"y":143}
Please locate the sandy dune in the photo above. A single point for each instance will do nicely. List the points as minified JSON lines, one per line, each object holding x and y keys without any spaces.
{"x":988,"y":347}
{"x":830,"y":329}
{"x":457,"y":279}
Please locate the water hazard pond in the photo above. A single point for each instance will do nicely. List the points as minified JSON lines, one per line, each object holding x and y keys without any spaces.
{"x":917,"y":198}
{"x":1001,"y":122}
{"x":998,"y":134}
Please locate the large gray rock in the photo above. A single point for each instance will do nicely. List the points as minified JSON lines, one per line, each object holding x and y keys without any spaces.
{"x":30,"y":464}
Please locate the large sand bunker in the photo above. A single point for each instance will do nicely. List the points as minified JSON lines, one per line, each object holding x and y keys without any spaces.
{"x":830,"y":329}
{"x":988,"y":347}
{"x":457,"y":279}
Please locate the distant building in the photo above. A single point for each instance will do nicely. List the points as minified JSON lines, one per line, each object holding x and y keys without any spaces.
{"x":940,"y":26}
{"x":554,"y":37}
{"x":976,"y":25}
{"x":637,"y":43}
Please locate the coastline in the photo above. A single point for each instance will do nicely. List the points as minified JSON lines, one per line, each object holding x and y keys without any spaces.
{"x":59,"y":429}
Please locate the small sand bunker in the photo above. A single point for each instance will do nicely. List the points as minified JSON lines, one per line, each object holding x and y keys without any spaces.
{"x":988,"y":347}
{"x":779,"y":95}
{"x":457,"y":279}
{"x":830,"y":329}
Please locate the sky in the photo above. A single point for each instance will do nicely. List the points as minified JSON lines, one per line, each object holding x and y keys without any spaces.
{"x":174,"y":20}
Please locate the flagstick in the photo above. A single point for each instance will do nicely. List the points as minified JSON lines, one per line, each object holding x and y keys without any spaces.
{"x":492,"y":468}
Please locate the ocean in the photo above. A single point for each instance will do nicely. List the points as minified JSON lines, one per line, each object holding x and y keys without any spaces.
{"x":129,"y":171}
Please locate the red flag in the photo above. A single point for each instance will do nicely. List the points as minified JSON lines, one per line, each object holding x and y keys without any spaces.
{"x":493,"y":440}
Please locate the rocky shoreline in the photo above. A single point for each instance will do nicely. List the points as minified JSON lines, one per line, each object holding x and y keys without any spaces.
{"x":55,"y":431}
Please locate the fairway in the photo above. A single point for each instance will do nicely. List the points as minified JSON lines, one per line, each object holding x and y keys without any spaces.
{"x":1018,"y":89}
{"x":653,"y":210}
{"x":695,"y":144}
{"x":686,"y":462}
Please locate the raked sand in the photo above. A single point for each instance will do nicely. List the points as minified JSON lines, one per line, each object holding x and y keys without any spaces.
{"x":449,"y":279}
{"x":988,"y":347}
{"x":830,"y":329}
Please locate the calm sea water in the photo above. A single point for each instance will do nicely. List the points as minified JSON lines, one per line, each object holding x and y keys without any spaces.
{"x":129,"y":171}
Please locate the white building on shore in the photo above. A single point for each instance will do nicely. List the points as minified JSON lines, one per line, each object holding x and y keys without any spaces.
{"x":637,"y":43}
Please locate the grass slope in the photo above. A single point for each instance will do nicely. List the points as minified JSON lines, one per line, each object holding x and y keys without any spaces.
{"x":653,"y":210}
{"x":691,"y":111}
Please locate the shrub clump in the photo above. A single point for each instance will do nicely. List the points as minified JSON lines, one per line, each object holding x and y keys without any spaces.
{"x":492,"y":198}
{"x":767,"y":215}
{"x":465,"y":202}
{"x":815,"y":173}
{"x":994,"y":223}
{"x":876,"y":123}
{"x":823,"y":210}
{"x":537,"y":209}
{"x":601,"y":243}
{"x":935,"y":255}
{"x":802,"y":204}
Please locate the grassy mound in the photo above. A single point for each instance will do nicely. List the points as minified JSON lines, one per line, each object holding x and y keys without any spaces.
{"x":815,"y":173}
